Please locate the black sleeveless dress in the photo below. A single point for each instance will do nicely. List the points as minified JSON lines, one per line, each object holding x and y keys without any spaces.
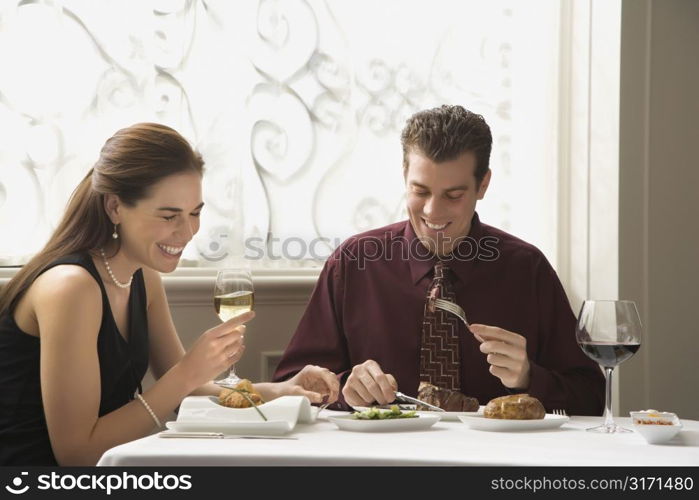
{"x":24,"y":438}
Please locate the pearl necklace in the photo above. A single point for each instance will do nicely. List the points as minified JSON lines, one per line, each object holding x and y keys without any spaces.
{"x":111,"y":274}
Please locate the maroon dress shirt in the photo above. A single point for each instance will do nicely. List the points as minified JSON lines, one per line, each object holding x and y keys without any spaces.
{"x":369,"y":300}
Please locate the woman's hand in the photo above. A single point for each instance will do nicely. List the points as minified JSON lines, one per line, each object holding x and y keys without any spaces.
{"x":215,"y":351}
{"x":315,"y":382}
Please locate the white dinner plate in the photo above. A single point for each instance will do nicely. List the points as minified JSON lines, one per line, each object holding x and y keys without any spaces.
{"x":446,"y":416}
{"x":401,"y":406}
{"x":479,"y":422}
{"x":453,"y":416}
{"x":348,"y":423}
{"x":270,"y":428}
{"x":450,"y":416}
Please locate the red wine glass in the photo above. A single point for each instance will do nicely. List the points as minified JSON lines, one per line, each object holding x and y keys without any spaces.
{"x":609,"y":331}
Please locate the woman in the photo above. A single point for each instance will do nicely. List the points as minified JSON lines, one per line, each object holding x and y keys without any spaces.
{"x":84,"y":319}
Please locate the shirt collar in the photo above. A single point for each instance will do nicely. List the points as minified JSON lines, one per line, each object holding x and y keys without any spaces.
{"x":421,"y":263}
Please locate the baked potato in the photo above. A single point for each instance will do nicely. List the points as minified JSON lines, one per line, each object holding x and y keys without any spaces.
{"x":515,"y":407}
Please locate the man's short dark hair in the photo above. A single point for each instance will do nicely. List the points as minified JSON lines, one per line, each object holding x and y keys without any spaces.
{"x":445,"y":133}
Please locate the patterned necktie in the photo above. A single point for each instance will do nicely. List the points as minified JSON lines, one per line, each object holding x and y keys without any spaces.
{"x":440,"y":362}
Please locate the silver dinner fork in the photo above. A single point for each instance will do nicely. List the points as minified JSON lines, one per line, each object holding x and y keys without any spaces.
{"x":322,"y":407}
{"x":456,"y":310}
{"x":562,"y":413}
{"x":453,"y":308}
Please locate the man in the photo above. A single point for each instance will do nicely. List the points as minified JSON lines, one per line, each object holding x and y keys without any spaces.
{"x":371,"y":318}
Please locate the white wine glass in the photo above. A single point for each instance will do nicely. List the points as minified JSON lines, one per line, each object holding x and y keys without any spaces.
{"x":609,"y":331}
{"x":233,"y":295}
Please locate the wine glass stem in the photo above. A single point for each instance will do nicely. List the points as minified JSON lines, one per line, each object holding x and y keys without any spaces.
{"x":608,"y":417}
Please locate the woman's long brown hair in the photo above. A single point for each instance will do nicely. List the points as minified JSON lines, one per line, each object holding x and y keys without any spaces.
{"x":130,"y":163}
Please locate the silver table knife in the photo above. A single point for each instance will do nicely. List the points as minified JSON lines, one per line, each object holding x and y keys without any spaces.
{"x":400,"y":395}
{"x":216,"y":435}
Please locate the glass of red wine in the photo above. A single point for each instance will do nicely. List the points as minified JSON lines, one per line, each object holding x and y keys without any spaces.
{"x":609,"y":331}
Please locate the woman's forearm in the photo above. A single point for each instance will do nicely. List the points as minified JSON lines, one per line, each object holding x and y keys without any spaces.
{"x":131,"y":421}
{"x":208,"y":389}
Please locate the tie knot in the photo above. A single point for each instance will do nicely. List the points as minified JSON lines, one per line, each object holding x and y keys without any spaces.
{"x":440,"y":270}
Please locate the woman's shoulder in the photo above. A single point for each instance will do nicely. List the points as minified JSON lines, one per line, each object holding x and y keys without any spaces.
{"x":59,"y":296}
{"x":68,"y":277}
{"x":67,"y":283}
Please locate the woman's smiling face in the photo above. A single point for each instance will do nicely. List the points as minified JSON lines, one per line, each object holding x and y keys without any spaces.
{"x":155,"y":231}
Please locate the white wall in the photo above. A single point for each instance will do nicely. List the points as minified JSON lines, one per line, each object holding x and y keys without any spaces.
{"x":659,"y":202}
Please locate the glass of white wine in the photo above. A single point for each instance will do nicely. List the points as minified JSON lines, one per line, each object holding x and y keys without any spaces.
{"x":233,"y":295}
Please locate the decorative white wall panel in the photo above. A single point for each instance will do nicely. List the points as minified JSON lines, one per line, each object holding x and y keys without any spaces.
{"x":296,"y":106}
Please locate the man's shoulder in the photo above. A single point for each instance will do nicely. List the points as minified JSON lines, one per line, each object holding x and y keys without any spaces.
{"x":511,"y":246}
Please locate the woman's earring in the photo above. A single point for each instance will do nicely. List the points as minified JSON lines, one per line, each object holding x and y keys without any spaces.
{"x":115,"y":235}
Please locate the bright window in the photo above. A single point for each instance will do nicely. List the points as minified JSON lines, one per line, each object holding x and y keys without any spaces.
{"x":296,"y":106}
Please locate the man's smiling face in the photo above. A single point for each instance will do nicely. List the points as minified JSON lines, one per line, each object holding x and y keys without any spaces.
{"x":441,"y":199}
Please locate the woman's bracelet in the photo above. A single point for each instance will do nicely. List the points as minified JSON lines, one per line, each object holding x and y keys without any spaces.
{"x":150,"y":410}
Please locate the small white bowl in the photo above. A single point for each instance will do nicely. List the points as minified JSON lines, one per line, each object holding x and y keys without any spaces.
{"x":656,"y":426}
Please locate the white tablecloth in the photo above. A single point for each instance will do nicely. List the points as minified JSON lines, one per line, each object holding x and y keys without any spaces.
{"x":446,"y":443}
